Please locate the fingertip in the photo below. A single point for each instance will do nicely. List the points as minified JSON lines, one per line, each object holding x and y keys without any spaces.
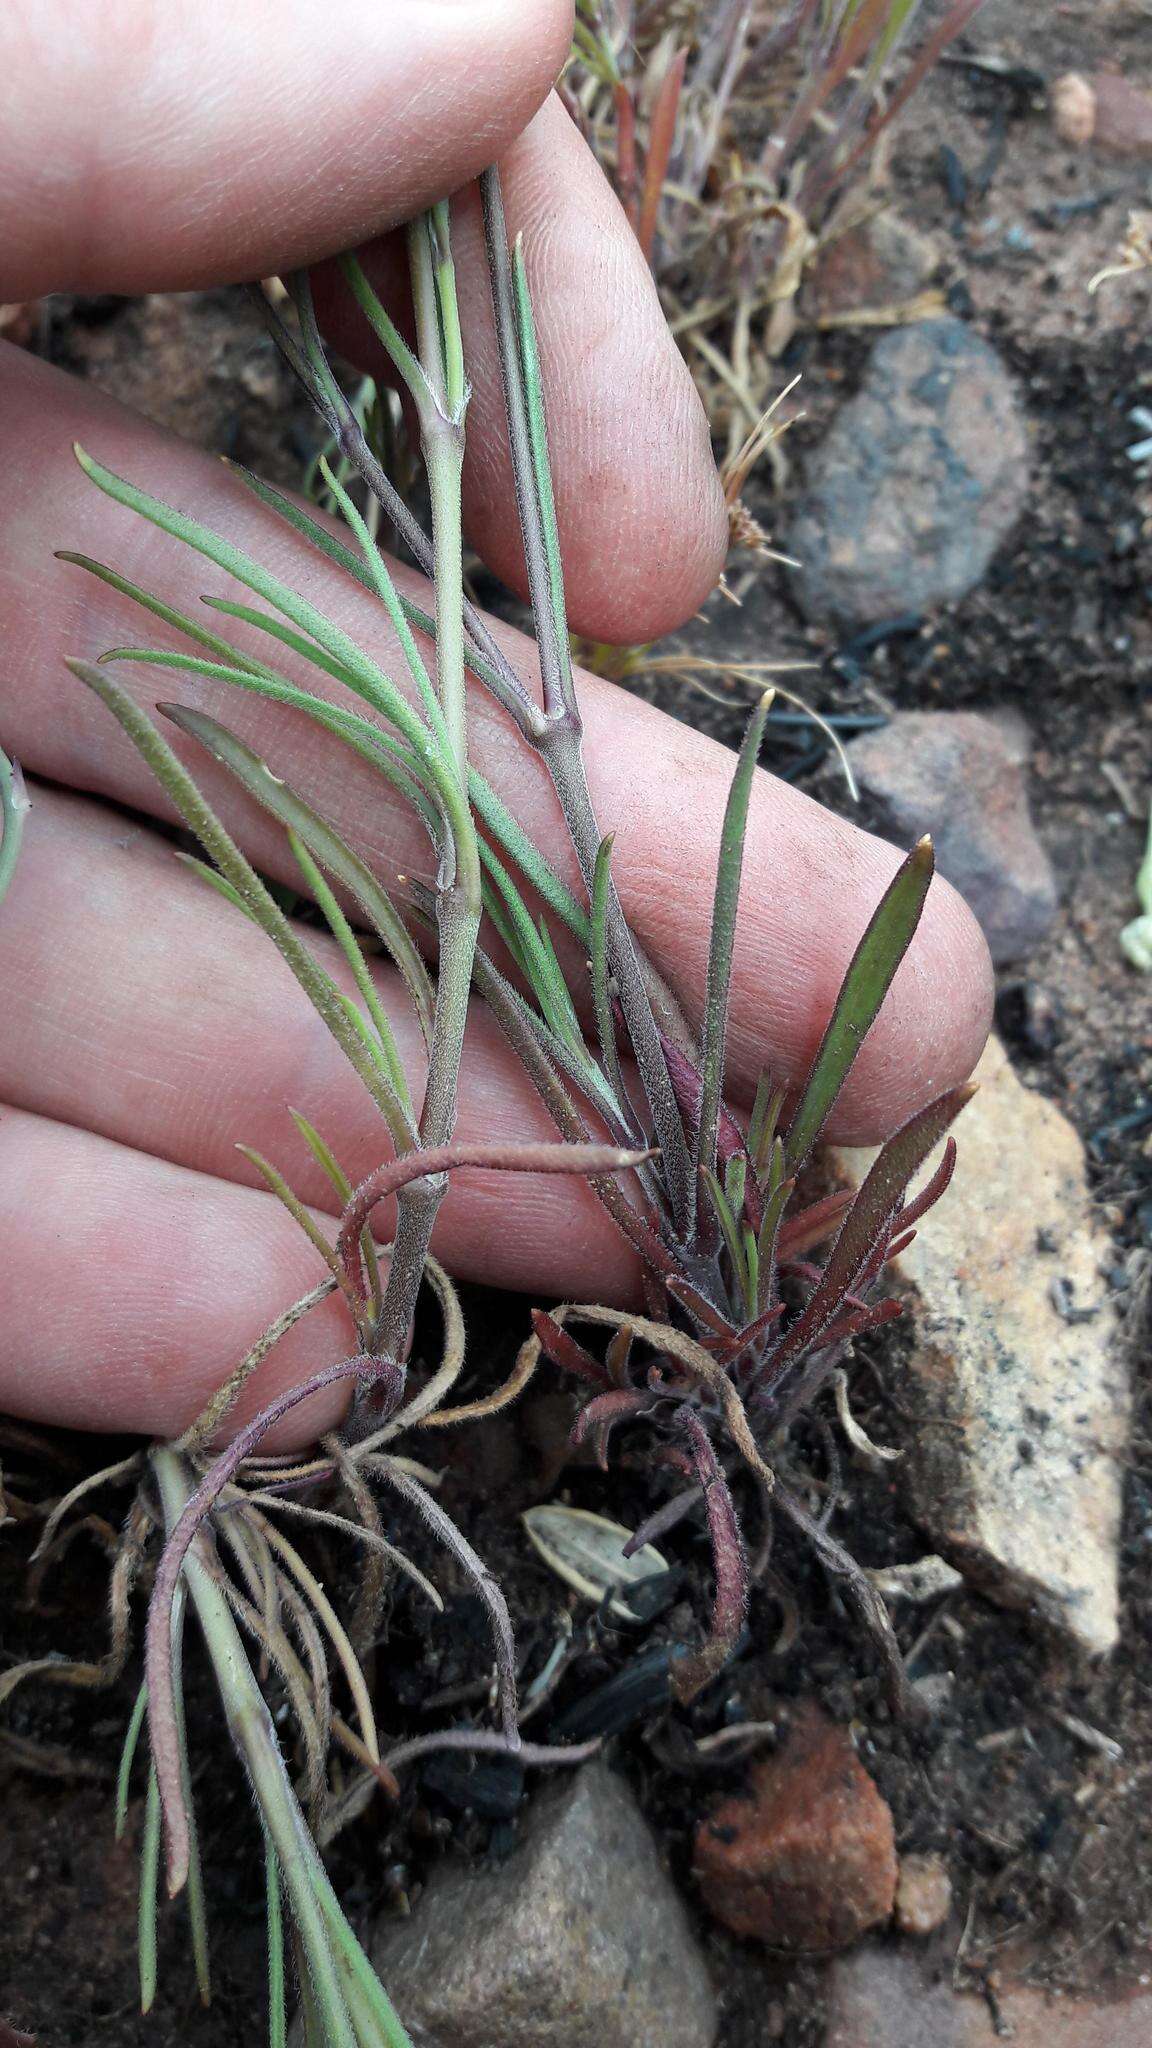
{"x":672,"y":509}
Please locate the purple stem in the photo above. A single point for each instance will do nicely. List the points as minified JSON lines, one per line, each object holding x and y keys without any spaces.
{"x":693,"y":1671}
{"x":477,"y":1572}
{"x":400,"y":1173}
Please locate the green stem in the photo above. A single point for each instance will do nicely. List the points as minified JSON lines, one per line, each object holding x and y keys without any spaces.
{"x":444,"y":458}
{"x":459,"y":898}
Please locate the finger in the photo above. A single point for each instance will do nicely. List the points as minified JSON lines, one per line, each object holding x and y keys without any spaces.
{"x":811,"y":881}
{"x":140,"y":1006}
{"x":187,"y":146}
{"x":643,"y":529}
{"x":130,"y":1288}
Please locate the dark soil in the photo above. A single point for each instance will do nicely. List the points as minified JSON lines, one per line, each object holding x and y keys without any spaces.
{"x":1045,"y":1835}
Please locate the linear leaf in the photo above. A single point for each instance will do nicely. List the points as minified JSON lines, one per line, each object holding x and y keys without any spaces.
{"x":389,"y":597}
{"x":396,"y":762}
{"x":180,"y":621}
{"x":149,"y":1889}
{"x":326,"y":845}
{"x":353,"y":952}
{"x":330,"y":1166}
{"x":724,"y":908}
{"x":375,"y":686}
{"x":127,"y":1758}
{"x":869,"y":977}
{"x":198,"y":815}
{"x":868,"y":1220}
{"x":277,"y":2001}
{"x":537,"y":435}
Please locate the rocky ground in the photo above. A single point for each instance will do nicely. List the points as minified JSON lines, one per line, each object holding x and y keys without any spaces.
{"x":789,"y":1863}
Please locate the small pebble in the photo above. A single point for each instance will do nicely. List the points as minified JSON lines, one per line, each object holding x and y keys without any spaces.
{"x":923,"y":1895}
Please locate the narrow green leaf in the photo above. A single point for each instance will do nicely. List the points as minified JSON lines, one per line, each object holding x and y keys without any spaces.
{"x":532,"y":951}
{"x":368,"y":739}
{"x":374,"y":685}
{"x":202,"y":820}
{"x":777,"y":1188}
{"x":561,"y":994}
{"x":864,"y":988}
{"x":336,"y":551}
{"x":295,"y":1207}
{"x":396,"y":762}
{"x":324,"y":1156}
{"x":530,"y":946}
{"x":325,"y":845}
{"x":601,"y":973}
{"x":531,"y":862}
{"x":724,"y":908}
{"x":353,"y":953}
{"x":752,"y":1268}
{"x":537,"y":430}
{"x":127,"y":1758}
{"x":489,"y":806}
{"x":731,"y":1230}
{"x":278,"y":629}
{"x":763,"y":1121}
{"x":223,"y":650}
{"x":208,"y":874}
{"x":149,"y":1889}
{"x":389,"y":597}
{"x":277,"y":1994}
{"x":387,"y":333}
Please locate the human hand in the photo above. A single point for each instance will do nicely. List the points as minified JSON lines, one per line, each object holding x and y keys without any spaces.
{"x":143,"y":1030}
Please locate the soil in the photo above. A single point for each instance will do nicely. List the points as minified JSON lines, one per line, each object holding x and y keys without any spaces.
{"x":1042,"y":1826}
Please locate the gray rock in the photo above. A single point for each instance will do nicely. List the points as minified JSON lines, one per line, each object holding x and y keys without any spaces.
{"x":1017,"y":1357}
{"x":962,"y":776}
{"x":915,"y":485}
{"x":882,"y":1998}
{"x":578,"y":1940}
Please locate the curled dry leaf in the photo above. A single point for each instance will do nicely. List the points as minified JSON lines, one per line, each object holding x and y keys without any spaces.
{"x":926,"y":1578}
{"x":588,"y":1552}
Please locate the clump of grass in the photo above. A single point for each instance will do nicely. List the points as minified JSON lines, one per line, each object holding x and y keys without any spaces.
{"x":676,"y":100}
{"x":741,"y":1329}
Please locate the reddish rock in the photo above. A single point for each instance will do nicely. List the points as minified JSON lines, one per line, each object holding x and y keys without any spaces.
{"x":807,"y":1860}
{"x":884,"y":1998}
{"x":883,"y":261}
{"x":923,"y":1895}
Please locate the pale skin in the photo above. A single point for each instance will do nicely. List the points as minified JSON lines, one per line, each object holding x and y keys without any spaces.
{"x":144,"y":1031}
